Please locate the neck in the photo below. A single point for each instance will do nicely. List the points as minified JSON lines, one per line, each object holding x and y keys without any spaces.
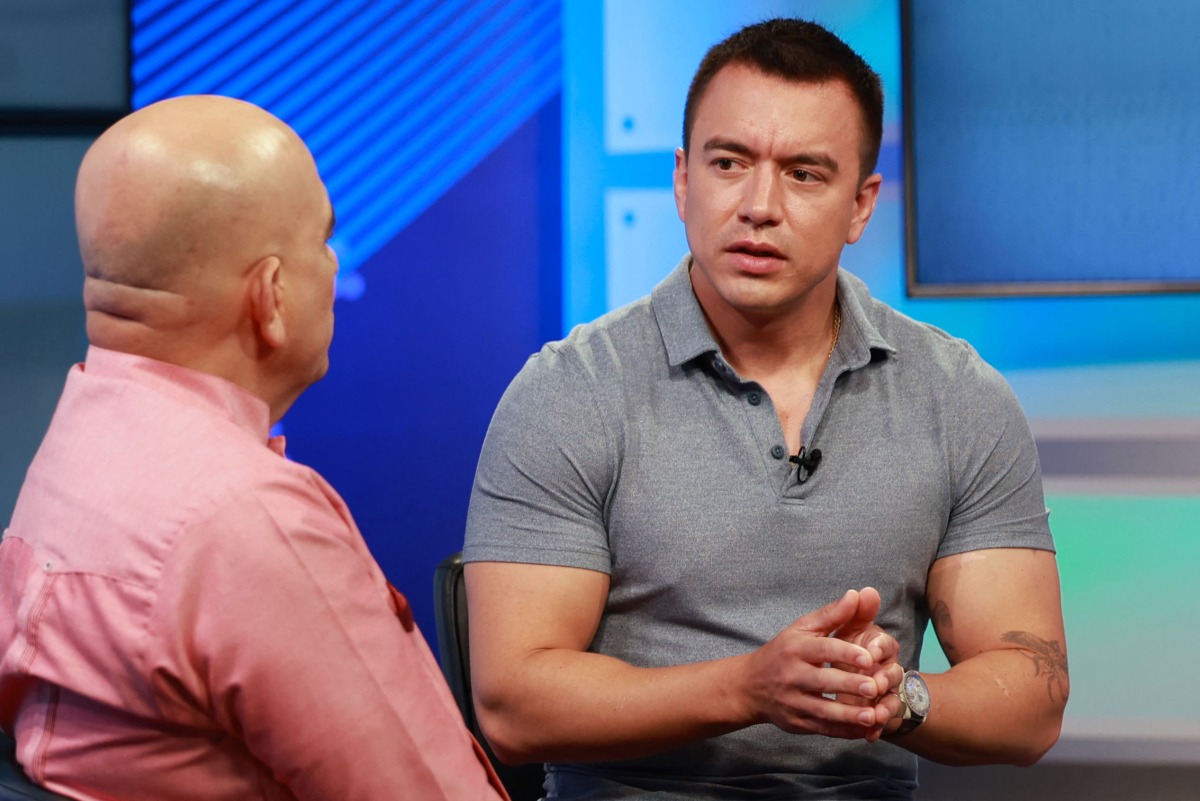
{"x":763,"y":345}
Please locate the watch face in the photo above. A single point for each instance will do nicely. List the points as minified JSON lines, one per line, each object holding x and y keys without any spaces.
{"x":915,"y":693}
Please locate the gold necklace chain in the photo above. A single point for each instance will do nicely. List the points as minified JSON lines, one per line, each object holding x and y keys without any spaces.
{"x":837,"y":328}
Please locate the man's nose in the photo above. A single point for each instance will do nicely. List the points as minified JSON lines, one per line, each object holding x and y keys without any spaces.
{"x":762,"y":203}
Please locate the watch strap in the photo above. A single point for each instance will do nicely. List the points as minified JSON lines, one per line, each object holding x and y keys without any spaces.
{"x":908,"y":722}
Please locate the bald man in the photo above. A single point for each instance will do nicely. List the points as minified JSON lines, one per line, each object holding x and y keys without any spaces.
{"x":183,"y":612}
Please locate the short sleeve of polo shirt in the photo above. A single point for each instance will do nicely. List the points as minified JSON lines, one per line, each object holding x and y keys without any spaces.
{"x":993,"y":465}
{"x":545,"y":472}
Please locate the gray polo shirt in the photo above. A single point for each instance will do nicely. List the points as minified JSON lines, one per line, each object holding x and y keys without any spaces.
{"x":633,"y":448}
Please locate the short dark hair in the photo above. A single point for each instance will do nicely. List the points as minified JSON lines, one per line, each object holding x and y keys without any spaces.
{"x":800,"y":51}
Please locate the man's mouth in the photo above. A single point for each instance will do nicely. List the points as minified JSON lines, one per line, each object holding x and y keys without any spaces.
{"x":757,"y":249}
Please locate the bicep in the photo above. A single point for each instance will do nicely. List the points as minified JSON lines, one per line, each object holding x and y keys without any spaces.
{"x":519,"y":609}
{"x":999,"y":599}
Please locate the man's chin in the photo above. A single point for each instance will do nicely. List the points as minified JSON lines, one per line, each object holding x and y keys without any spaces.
{"x":318,"y":372}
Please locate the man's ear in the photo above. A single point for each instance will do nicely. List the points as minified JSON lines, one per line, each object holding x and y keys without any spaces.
{"x":864,"y":207}
{"x":266,"y":301}
{"x":679,"y":181}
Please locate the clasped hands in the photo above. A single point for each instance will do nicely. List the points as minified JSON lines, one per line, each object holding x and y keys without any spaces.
{"x":832,"y":672}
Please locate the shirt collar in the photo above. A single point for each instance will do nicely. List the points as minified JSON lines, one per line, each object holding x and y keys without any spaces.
{"x":860,"y":341}
{"x":213,"y":393}
{"x":686,"y":335}
{"x":680,"y":319}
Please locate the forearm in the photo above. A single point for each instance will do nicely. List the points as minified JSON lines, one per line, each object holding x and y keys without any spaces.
{"x":542,"y":695}
{"x":573,"y":706}
{"x":999,"y":707}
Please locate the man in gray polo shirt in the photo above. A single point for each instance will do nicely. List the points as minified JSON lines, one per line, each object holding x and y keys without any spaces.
{"x":708,"y":530}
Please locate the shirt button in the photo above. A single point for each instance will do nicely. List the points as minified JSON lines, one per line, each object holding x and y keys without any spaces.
{"x":778,"y":452}
{"x":754,"y":398}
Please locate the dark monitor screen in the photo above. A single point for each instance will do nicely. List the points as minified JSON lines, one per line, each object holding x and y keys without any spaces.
{"x":1052,"y":148}
{"x":63,"y":61}
{"x":64,"y":77}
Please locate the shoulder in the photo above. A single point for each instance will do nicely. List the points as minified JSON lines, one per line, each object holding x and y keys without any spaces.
{"x":929,"y":378}
{"x":282,"y":527}
{"x":557,"y":433}
{"x":233,"y":490}
{"x":593,"y":363}
{"x":925,"y":355}
{"x":292,"y":496}
{"x":617,"y":341}
{"x":619,"y":352}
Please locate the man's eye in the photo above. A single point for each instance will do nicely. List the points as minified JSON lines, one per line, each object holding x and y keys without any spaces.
{"x":724,"y":164}
{"x":803,"y":176}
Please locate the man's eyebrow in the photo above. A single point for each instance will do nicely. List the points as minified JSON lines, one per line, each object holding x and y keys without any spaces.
{"x":817,"y":159}
{"x":814,"y":159}
{"x":728,"y":145}
{"x":332,"y":222}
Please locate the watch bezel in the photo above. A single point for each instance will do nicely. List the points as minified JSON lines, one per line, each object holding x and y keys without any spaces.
{"x":916,"y":703}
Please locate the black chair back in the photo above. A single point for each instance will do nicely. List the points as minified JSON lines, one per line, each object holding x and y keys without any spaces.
{"x":14,"y":784}
{"x":523,"y":782}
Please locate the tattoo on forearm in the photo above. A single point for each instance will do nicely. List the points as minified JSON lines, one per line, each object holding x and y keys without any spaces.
{"x":1048,"y":657}
{"x":940,"y":615}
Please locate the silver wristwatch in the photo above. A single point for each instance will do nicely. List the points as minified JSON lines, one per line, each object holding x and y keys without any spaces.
{"x":915,"y":694}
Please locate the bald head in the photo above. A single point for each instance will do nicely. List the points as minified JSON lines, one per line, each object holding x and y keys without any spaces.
{"x":177,"y":205}
{"x":176,"y":190}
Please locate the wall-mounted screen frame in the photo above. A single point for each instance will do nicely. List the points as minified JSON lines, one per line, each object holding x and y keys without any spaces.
{"x":1050,"y":149}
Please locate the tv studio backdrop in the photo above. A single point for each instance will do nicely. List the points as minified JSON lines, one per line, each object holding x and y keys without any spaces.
{"x":502,"y":172}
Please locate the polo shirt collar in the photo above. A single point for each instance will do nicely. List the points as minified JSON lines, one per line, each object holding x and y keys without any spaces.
{"x":860,"y":340}
{"x":680,"y":319}
{"x":686,"y":335}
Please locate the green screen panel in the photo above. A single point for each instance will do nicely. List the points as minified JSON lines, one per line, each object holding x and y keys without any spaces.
{"x":1131,"y":602}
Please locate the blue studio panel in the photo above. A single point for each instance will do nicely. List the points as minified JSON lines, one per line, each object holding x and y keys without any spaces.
{"x":436,"y":126}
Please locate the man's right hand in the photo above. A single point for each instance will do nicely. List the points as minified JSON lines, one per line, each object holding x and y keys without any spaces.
{"x":831,"y":672}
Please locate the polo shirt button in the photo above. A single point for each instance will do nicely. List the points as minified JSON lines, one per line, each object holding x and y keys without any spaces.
{"x":778,"y":452}
{"x":754,"y":398}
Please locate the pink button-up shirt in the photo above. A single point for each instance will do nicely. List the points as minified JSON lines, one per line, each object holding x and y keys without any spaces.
{"x":185,"y":614}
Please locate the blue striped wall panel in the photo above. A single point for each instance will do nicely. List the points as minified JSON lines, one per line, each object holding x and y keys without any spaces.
{"x":398,"y":100}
